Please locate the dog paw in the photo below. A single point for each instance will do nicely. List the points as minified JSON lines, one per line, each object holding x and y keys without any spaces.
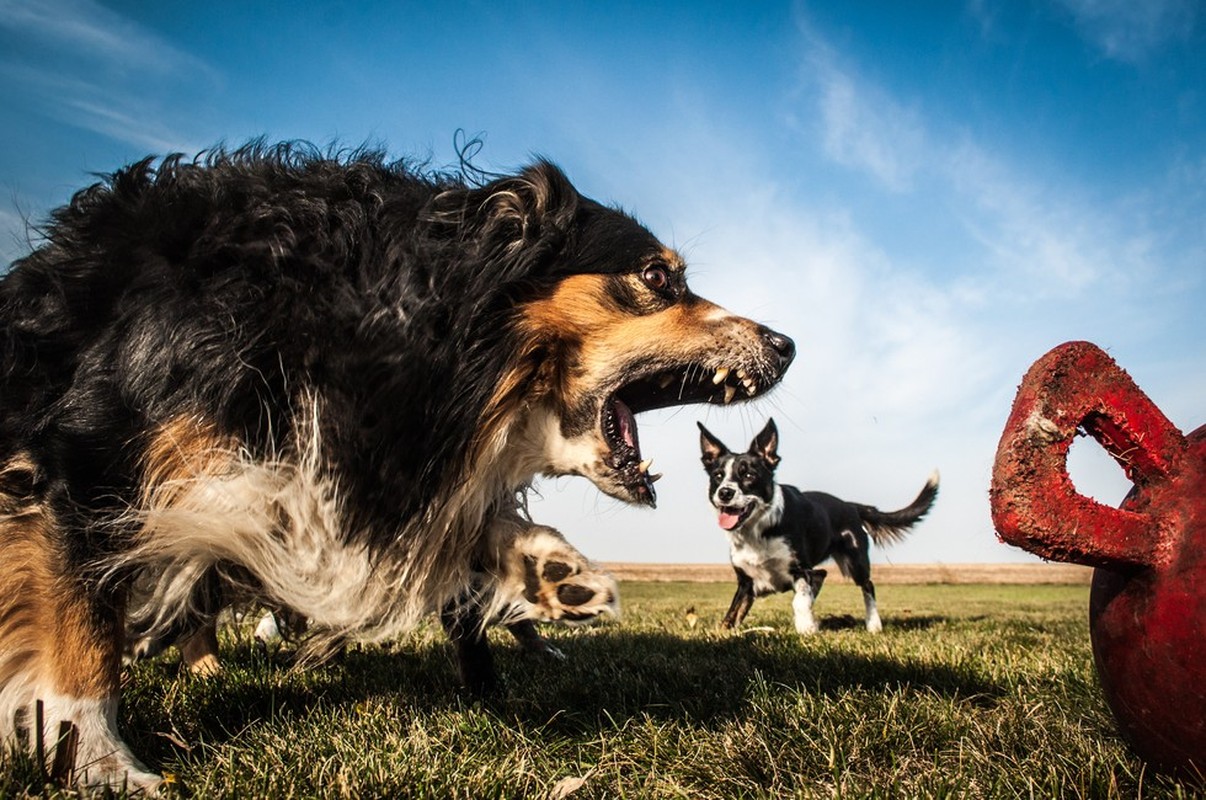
{"x":555,"y":582}
{"x":874,"y":625}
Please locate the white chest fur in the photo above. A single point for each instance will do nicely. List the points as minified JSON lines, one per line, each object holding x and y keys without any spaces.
{"x":767,"y":561}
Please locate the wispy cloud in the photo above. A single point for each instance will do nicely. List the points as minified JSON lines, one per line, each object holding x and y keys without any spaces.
{"x":861,"y":127}
{"x":866,"y":130}
{"x":1040,"y":236}
{"x":88,"y":28}
{"x":1032,"y":230}
{"x":88,"y":66}
{"x":1130,"y":30}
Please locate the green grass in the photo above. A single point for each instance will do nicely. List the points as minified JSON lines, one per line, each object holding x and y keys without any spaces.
{"x":971,"y":691}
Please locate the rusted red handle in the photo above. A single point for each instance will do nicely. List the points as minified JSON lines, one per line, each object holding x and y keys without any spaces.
{"x":1034,"y":504}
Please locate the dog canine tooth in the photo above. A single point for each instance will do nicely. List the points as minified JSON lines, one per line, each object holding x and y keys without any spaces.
{"x":654,"y":477}
{"x":644,"y":466}
{"x":729,"y":392}
{"x":721,"y":374}
{"x":665,"y":380}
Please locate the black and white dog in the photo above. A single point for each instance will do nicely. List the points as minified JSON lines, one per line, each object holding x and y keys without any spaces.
{"x":777,"y":533}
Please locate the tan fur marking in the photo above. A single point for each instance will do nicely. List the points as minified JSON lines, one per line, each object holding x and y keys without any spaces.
{"x":582,"y":317}
{"x":45,"y":623}
{"x":182,"y":450}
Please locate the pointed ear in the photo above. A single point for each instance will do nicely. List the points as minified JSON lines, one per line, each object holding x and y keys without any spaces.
{"x":766,"y":444}
{"x":711,"y":449}
{"x":519,"y":217}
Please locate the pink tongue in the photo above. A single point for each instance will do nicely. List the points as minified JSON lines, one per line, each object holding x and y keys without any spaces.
{"x":627,"y":425}
{"x":728,"y":521}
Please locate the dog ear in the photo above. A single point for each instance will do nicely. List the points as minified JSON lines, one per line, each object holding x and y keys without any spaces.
{"x":711,"y":448}
{"x":515,"y":218}
{"x":766,"y":444}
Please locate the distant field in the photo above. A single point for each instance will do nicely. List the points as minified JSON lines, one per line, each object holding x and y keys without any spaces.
{"x":883,"y":574}
{"x":971,"y":691}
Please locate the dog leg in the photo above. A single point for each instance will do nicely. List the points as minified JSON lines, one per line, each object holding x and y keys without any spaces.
{"x":743,"y":600}
{"x":801,"y":604}
{"x":531,"y":641}
{"x":199,"y":650}
{"x":62,"y":649}
{"x":463,"y":623}
{"x":874,"y":624}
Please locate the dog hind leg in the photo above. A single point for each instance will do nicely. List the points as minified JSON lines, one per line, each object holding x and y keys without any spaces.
{"x":855,"y":564}
{"x":59,"y":647}
{"x":463,"y":623}
{"x":874,"y":624}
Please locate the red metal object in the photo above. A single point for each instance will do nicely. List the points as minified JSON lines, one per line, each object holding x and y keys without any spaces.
{"x":1147,"y":608}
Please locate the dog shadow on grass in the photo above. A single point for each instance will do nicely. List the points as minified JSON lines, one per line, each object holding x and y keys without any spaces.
{"x":609,"y":676}
{"x":708,"y":680}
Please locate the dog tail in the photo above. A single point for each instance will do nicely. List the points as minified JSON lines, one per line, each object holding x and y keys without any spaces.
{"x":890,"y":527}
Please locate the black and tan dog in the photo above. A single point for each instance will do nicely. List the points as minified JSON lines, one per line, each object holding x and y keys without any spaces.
{"x":779,"y":534}
{"x":326,"y":379}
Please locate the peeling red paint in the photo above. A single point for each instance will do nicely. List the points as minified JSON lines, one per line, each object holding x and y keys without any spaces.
{"x":1147,"y":610}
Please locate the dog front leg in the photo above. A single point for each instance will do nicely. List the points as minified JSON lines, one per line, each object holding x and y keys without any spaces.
{"x":60,"y":660}
{"x":531,"y":641}
{"x":743,"y":599}
{"x":801,"y":604}
{"x":463,"y":622}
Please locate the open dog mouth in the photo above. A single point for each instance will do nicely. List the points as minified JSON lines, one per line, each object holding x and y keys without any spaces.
{"x":661,"y":389}
{"x":731,"y":517}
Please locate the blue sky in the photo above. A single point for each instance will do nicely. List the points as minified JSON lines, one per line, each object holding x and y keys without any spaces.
{"x":926,"y":196}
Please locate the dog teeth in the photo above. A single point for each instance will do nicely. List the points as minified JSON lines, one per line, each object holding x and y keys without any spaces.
{"x":644,"y":466}
{"x":729,"y":392}
{"x":665,"y":380}
{"x":721,"y":374}
{"x":655,"y":477}
{"x":747,"y":382}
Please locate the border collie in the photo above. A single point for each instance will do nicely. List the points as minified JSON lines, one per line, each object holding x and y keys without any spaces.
{"x":778,"y":534}
{"x":325,"y":378}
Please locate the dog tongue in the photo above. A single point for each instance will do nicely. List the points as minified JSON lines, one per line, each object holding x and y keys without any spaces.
{"x":729,"y":520}
{"x":627,"y":422}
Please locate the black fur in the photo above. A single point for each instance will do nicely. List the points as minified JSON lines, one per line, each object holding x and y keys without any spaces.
{"x":322,"y":381}
{"x":229,"y":283}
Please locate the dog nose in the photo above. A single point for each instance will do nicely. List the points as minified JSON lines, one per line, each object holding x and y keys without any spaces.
{"x":725,"y":494}
{"x":783,"y":346}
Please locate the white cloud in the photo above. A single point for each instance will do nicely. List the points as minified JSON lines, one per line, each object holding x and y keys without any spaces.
{"x":87,"y":66}
{"x":1035,"y":232}
{"x":1130,"y":30}
{"x":868,"y":131}
{"x":862,"y":127}
{"x":1042,"y":238}
{"x":82,"y":27}
{"x":125,"y":125}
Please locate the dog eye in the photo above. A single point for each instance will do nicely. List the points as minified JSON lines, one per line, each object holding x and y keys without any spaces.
{"x":656,"y":277}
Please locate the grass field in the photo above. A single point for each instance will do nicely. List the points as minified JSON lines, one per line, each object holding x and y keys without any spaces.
{"x":971,"y":691}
